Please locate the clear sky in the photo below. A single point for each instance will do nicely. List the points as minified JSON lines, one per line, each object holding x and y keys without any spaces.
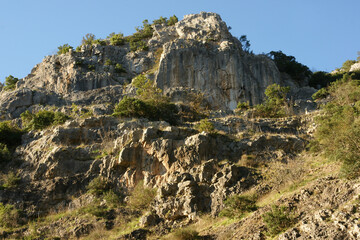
{"x":321,"y":34}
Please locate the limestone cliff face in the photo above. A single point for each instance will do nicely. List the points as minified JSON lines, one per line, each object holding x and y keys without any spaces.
{"x":198,"y":54}
{"x":224,"y":74}
{"x":210,"y":60}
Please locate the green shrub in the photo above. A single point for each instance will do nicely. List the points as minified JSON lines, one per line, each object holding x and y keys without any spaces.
{"x":9,"y":216}
{"x":150,"y":103}
{"x":117,"y":39}
{"x":320,"y":94}
{"x":275,"y":104}
{"x":60,"y":118}
{"x":146,"y":31}
{"x":243,"y":106}
{"x":131,"y":107}
{"x":100,"y":42}
{"x":11,"y":180}
{"x":42,"y":119}
{"x":119,"y":68}
{"x":140,"y":82}
{"x":142,"y":33}
{"x":276,"y":94}
{"x":138,"y":45}
{"x":10,"y":83}
{"x":347,"y":65}
{"x":146,"y":89}
{"x":5,"y":154}
{"x":10,"y":138}
{"x":245,"y":43}
{"x":152,"y":110}
{"x":237,"y":206}
{"x":322,"y":79}
{"x":95,"y":210}
{"x":64,"y":49}
{"x":10,"y":135}
{"x":108,"y":62}
{"x":205,"y":126}
{"x":338,"y":131}
{"x":289,"y":65}
{"x":98,"y":186}
{"x":185,"y":234}
{"x":278,"y":219}
{"x":141,"y":197}
{"x":112,"y":199}
{"x":161,"y":20}
{"x":172,"y":20}
{"x":162,"y":110}
{"x":88,"y":39}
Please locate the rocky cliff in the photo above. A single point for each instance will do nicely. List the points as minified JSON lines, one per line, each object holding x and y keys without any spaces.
{"x":94,"y":175}
{"x":196,"y":53}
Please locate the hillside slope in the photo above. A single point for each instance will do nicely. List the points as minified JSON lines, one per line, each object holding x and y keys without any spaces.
{"x":137,"y":139}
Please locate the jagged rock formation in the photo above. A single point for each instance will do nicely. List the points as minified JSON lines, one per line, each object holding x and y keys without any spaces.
{"x":327,"y":209}
{"x":209,"y":59}
{"x":196,"y":53}
{"x":178,"y":161}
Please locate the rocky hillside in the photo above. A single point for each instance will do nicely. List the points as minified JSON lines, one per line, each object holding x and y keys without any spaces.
{"x":172,"y":160}
{"x":196,"y":54}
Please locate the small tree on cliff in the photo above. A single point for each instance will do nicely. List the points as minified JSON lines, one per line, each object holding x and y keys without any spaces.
{"x":275,"y":104}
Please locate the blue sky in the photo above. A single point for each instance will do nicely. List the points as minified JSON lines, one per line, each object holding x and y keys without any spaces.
{"x":321,"y":34}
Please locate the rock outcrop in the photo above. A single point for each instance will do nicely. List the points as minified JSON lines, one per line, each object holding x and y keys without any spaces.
{"x":355,"y":67}
{"x":196,"y":54}
{"x":190,"y":172}
{"x":201,"y":169}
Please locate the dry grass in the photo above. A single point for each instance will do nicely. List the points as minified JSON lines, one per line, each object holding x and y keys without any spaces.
{"x":186,"y":233}
{"x":99,"y":233}
{"x":285,"y":178}
{"x":248,"y":160}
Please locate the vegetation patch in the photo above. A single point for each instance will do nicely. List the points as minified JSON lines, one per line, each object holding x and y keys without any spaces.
{"x":137,"y":40}
{"x":243,"y":106}
{"x":289,"y":65}
{"x":10,"y":180}
{"x":338,"y":131}
{"x":64,"y":49}
{"x":5,"y":154}
{"x":10,"y":83}
{"x":98,"y":186}
{"x":149,"y":103}
{"x":141,"y":197}
{"x":275,"y":104}
{"x":119,"y":68}
{"x":10,"y":134}
{"x":9,"y":216}
{"x":278,"y":219}
{"x":116,"y":39}
{"x":237,"y":206}
{"x":42,"y":119}
{"x":10,"y":138}
{"x":205,"y":126}
{"x":185,"y":234}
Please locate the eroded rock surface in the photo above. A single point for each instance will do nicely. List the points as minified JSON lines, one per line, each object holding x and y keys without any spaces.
{"x":196,"y":54}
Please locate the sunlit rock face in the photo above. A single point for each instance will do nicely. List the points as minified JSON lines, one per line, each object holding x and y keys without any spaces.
{"x":197,"y":54}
